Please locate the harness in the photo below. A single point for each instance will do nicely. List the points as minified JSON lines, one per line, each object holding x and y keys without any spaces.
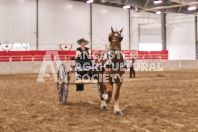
{"x":109,"y":63}
{"x":109,"y":59}
{"x":109,"y":56}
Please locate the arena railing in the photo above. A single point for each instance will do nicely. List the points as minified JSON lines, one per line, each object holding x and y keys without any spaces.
{"x":21,"y":58}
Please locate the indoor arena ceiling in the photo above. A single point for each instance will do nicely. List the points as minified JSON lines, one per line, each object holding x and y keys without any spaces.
{"x":148,"y":5}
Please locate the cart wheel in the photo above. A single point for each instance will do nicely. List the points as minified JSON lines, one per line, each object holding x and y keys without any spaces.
{"x":62,"y":84}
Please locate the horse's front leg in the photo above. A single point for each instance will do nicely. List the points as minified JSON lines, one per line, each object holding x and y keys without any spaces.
{"x":118,"y":81}
{"x":103,"y":102}
{"x":117,"y":110}
{"x":107,"y":79}
{"x":102,"y":92}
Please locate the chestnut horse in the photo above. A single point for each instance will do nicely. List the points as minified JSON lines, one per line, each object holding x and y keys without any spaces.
{"x":113,"y":68}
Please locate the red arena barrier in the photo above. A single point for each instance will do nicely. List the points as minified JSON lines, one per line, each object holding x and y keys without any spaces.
{"x":15,"y":56}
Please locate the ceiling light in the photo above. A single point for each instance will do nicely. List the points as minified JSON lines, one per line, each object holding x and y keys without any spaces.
{"x":158,"y":12}
{"x":192,"y":8}
{"x":157,"y":1}
{"x":126,"y":7}
{"x":90,"y":1}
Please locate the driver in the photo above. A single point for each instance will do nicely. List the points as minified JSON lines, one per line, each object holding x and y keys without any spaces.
{"x":83,"y":53}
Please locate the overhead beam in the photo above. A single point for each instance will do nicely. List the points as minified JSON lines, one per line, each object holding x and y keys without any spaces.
{"x":168,"y":7}
{"x":146,"y":3}
{"x":179,"y":9}
{"x":132,"y":3}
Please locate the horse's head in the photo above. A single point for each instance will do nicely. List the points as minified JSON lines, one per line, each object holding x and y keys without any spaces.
{"x":115,"y":38}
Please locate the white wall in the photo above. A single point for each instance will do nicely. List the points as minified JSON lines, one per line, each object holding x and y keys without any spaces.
{"x":181,"y":36}
{"x":65,"y":21}
{"x":62,"y":22}
{"x":103,"y":18}
{"x":147,"y":21}
{"x":18,"y":21}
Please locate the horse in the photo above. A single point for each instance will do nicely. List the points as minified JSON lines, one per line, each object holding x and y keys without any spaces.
{"x":113,"y":65}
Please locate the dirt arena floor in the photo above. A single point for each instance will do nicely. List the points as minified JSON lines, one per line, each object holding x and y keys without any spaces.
{"x":153,"y":102}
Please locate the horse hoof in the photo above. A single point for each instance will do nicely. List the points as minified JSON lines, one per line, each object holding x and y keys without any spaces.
{"x":118,"y":113}
{"x":103,"y":107}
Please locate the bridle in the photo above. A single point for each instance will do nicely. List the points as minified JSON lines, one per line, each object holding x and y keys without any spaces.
{"x":113,"y":51}
{"x":116,"y":34}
